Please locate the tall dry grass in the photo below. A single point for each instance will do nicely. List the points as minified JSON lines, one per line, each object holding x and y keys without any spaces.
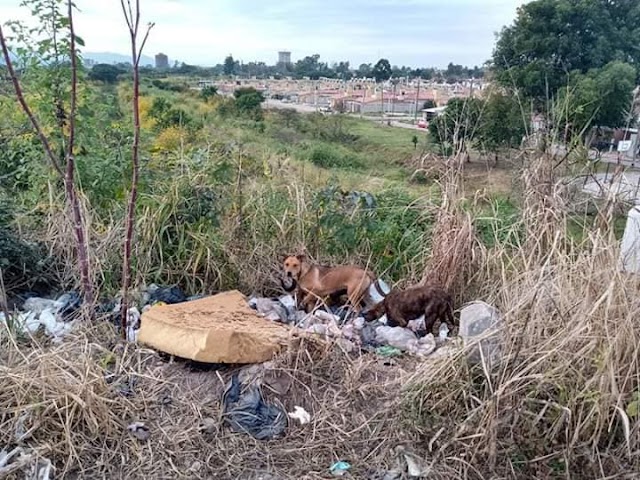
{"x":72,"y":403}
{"x":561,"y":402}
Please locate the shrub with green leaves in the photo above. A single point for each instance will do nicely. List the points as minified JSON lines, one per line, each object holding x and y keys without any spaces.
{"x":387,"y":231}
{"x":166,"y":115}
{"x":328,"y":156}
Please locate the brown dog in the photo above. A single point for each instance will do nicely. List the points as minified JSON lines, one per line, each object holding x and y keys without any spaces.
{"x":318,"y":282}
{"x":402,"y":306}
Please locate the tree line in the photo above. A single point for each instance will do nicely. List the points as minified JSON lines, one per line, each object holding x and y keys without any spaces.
{"x":307,"y":67}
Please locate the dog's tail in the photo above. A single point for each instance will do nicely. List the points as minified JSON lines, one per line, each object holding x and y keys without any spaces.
{"x":449,"y":311}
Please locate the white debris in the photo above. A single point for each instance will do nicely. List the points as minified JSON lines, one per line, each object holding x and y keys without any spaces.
{"x":443,"y":332}
{"x":31,"y":321}
{"x":133,"y":324}
{"x":480,"y":325}
{"x":301,"y":415}
{"x":33,"y":466}
{"x":426,"y":346}
{"x":374,"y":295}
{"x":401,"y":338}
{"x":38,"y":305}
{"x":417,"y":325}
{"x":139,"y":430}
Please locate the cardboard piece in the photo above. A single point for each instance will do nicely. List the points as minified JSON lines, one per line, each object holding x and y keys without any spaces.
{"x":217,"y":329}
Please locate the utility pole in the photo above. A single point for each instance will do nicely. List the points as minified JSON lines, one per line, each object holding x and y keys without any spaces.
{"x":381,"y":102}
{"x":315,"y":97}
{"x":415,"y":113}
{"x":393,"y":98}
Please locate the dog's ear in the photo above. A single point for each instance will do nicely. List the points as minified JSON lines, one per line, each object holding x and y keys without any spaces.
{"x":302,"y":257}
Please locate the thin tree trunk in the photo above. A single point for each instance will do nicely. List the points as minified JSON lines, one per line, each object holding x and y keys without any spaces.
{"x":78,"y":220}
{"x":68,"y":175}
{"x":133,"y":22}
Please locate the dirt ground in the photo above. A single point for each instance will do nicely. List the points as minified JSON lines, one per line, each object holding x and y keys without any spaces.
{"x":77,"y":398}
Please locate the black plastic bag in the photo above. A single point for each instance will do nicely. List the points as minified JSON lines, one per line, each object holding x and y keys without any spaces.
{"x":247,"y":412}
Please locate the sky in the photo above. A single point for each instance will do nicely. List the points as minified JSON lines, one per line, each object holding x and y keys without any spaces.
{"x":202,"y":32}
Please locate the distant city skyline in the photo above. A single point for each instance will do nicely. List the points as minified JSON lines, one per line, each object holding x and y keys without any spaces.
{"x":203,"y":32}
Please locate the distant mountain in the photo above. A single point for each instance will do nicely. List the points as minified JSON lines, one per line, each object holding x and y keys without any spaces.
{"x":110,"y":57}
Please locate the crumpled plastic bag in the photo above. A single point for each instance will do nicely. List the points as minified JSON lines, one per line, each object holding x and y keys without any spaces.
{"x":247,"y":412}
{"x":281,"y":309}
{"x":398,"y":337}
{"x":168,"y":295}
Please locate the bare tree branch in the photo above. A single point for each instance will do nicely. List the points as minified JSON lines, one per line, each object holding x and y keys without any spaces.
{"x":78,"y":220}
{"x":133,"y":24}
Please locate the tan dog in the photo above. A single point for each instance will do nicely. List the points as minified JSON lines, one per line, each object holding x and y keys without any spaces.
{"x":318,"y":282}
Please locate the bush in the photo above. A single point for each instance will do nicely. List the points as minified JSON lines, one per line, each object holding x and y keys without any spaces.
{"x":167,"y":86}
{"x":248,"y":101}
{"x":170,"y":139}
{"x":22,"y":263}
{"x":103,"y":72}
{"x":387,"y":230}
{"x":165,"y":115}
{"x":328,"y":156}
{"x":208,"y":92}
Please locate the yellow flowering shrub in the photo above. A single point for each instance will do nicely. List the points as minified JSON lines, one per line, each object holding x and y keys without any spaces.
{"x":169,"y":140}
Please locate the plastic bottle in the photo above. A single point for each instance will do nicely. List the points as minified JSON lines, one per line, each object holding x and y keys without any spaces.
{"x":444,"y":331}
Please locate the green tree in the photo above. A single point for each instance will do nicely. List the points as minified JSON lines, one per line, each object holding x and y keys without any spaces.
{"x":49,"y":57}
{"x":424,"y":73}
{"x":310,"y":66}
{"x":208,"y":92}
{"x":455,"y":72}
{"x":342,"y":70}
{"x":551,"y":38}
{"x":502,"y":124}
{"x":382,"y":70}
{"x":248,"y":101}
{"x":364,"y":70}
{"x":458,"y":126}
{"x":106,"y":73}
{"x":229,"y":65}
{"x":600,"y":98}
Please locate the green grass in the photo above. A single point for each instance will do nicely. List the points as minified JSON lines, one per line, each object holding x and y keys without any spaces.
{"x":391,"y":139}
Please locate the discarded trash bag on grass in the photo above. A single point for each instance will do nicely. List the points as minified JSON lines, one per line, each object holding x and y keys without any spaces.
{"x":247,"y":412}
{"x":168,"y":295}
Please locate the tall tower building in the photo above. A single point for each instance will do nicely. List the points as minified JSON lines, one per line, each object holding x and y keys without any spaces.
{"x":162,"y":61}
{"x":284,"y":58}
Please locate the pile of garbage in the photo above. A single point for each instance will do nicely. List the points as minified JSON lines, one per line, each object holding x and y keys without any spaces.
{"x":351,"y":332}
{"x":57,"y":316}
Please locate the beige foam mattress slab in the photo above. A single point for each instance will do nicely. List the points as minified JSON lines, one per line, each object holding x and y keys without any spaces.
{"x":217,"y":329}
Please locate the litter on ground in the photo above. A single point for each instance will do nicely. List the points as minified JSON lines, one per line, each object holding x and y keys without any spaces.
{"x":301,"y":415}
{"x":247,"y":412}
